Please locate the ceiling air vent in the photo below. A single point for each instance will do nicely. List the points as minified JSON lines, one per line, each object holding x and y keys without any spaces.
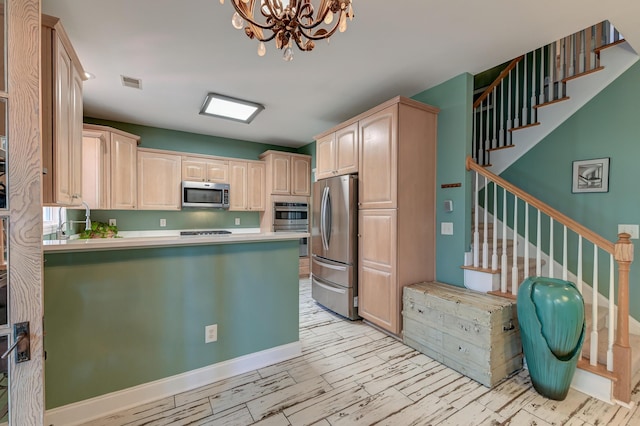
{"x":136,"y":83}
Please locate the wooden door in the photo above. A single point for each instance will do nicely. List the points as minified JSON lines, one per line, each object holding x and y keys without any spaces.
{"x":23,"y":210}
{"x":325,"y":157}
{"x":301,"y":176}
{"x":378,"y":159}
{"x":123,"y":172}
{"x":218,"y":171}
{"x":194,"y":169}
{"x":158,"y":181}
{"x":281,"y":174}
{"x":95,"y":169}
{"x":346,"y":146}
{"x":237,"y":185}
{"x":256,"y":186}
{"x":377,"y":288}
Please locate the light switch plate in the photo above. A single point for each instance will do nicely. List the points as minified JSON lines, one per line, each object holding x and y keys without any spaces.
{"x":163,"y":222}
{"x":446,"y":228}
{"x":211,"y":333}
{"x":630,"y":229}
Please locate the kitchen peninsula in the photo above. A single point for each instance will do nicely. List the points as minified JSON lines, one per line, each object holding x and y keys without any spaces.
{"x":125,"y":317}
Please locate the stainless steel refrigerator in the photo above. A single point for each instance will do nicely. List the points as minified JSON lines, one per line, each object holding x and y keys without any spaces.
{"x":334,"y":229}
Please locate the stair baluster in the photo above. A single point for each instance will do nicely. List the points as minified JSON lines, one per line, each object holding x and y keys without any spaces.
{"x":564,"y":253}
{"x":485,"y":244}
{"x":551,"y":247}
{"x":514,"y":268}
{"x":611,"y":325}
{"x":593,"y":352}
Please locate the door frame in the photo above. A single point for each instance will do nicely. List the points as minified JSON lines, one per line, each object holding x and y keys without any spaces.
{"x":24,"y":177}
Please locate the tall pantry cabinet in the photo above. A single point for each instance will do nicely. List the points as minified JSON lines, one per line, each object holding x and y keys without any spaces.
{"x":397,"y":179}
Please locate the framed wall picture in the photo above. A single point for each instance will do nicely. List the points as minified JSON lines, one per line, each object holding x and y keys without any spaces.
{"x":590,"y":175}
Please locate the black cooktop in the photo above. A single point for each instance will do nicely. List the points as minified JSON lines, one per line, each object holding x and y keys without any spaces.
{"x":205,"y":232}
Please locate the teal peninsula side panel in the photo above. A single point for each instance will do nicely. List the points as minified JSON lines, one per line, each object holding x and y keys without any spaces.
{"x":117,"y":319}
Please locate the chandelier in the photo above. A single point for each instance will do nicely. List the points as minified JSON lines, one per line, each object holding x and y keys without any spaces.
{"x":290,"y":21}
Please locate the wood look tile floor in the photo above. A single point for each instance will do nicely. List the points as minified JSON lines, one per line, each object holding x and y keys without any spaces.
{"x":351,"y":374}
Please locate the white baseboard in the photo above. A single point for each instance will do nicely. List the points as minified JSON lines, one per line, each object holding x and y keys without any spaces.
{"x":83,"y":411}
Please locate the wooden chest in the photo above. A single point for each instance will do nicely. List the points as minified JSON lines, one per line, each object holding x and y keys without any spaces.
{"x":474,"y":333}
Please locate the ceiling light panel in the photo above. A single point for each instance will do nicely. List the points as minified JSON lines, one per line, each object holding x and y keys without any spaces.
{"x":230,"y":108}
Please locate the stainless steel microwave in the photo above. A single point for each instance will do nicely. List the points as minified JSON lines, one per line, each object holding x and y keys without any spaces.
{"x":205,"y":194}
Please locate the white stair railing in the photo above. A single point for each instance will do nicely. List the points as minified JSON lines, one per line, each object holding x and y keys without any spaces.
{"x":574,"y":238}
{"x":531,"y":81}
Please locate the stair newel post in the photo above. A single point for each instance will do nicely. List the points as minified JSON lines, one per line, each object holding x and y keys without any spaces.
{"x":503,"y":266}
{"x":485,"y":242}
{"x":593,"y":352}
{"x":621,"y":349}
{"x":611,"y":320}
{"x":494,"y":257}
{"x":514,"y":268}
{"x":525,"y":95}
{"x":476,"y":232}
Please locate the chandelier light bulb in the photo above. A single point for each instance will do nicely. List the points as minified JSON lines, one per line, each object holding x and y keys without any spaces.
{"x":329,"y":18}
{"x":221,"y":1}
{"x":237,"y":21}
{"x":262,"y":49}
{"x":343,"y":23}
{"x":288,"y":54}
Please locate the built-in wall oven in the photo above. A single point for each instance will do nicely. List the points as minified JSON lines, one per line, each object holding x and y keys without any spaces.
{"x":292,"y":217}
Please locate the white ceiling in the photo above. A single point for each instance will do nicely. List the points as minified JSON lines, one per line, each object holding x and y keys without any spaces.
{"x":184,"y":49}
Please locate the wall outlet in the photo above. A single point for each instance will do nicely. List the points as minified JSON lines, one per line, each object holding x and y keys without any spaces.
{"x":211,"y":333}
{"x":163,"y":223}
{"x":446,"y":228}
{"x":237,"y":221}
{"x":112,"y":222}
{"x":629,"y":229}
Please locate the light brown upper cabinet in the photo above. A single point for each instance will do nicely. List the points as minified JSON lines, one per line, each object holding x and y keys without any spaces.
{"x":62,"y":77}
{"x":159,"y":177}
{"x":337,"y":152}
{"x":112,"y":155}
{"x":202,"y":169}
{"x":246,"y":186}
{"x":287,"y":174}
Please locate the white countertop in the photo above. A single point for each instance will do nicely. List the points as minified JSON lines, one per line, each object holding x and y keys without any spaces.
{"x":150,"y":239}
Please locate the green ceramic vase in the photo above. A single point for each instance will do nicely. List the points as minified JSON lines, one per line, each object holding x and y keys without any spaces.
{"x":552,"y":328}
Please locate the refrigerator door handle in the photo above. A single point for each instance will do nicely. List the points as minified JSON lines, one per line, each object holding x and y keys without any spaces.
{"x":329,"y":265}
{"x":328,"y":287}
{"x":323,"y":225}
{"x":328,"y":213}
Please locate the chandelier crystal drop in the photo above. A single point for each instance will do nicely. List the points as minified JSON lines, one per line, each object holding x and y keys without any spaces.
{"x":291,"y":21}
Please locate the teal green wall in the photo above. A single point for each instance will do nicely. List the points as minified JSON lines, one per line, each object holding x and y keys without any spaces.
{"x":116,"y":319}
{"x":173,"y":140}
{"x":607,"y":126}
{"x":454,"y":98}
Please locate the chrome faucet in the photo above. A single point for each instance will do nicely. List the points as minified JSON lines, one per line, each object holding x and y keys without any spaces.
{"x":61,"y":232}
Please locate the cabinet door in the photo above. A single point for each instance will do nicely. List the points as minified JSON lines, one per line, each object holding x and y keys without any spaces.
{"x":62,"y":141}
{"x":325,"y":157}
{"x":256,"y":186}
{"x":194,"y":169}
{"x":281,"y":174}
{"x":238,"y":185}
{"x":158,"y":181}
{"x":346,"y":146}
{"x":300,"y":176}
{"x":123,"y":172}
{"x":377,"y":287}
{"x":378,"y":159}
{"x":218,"y":171}
{"x":95,"y":169}
{"x":75,"y":135}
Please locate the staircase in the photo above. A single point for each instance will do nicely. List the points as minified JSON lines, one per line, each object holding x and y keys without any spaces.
{"x":516,"y":235}
{"x":538,"y":91}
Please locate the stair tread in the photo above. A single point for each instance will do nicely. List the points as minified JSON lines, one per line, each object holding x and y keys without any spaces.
{"x":603,"y":337}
